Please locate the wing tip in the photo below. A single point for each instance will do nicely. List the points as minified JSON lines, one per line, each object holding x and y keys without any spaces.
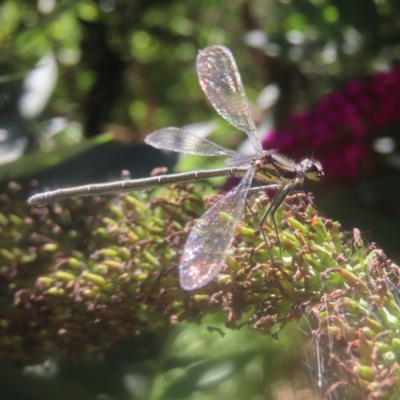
{"x":190,"y":281}
{"x":214,"y":47}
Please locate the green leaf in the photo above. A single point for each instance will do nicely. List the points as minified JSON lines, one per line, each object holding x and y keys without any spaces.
{"x":39,"y":161}
{"x":205,"y":375}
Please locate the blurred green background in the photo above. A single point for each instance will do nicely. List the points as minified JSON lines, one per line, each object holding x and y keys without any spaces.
{"x":83,"y":82}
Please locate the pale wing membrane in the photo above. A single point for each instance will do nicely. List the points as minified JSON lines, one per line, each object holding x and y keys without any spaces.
{"x":178,"y":140}
{"x":220,"y":80}
{"x":207,"y":246}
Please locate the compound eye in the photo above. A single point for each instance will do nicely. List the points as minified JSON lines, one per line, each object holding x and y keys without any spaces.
{"x":314,"y":170}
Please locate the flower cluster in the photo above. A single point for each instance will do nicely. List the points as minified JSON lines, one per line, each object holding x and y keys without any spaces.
{"x":340,"y":125}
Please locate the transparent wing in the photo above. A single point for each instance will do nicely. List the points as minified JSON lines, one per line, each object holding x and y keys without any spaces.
{"x":176,"y":139}
{"x":210,"y":239}
{"x":220,"y":80}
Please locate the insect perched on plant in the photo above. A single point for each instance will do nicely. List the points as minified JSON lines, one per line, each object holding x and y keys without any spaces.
{"x":208,"y":243}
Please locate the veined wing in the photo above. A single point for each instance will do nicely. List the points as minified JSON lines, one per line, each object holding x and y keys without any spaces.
{"x":243,"y":159}
{"x":178,"y":140}
{"x":220,"y":80}
{"x":208,"y":243}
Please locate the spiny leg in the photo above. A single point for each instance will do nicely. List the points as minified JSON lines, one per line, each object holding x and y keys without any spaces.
{"x":259,"y":188}
{"x":261,"y":229}
{"x":275,"y":203}
{"x":251,"y":211}
{"x":310,"y":200}
{"x":292,"y":208}
{"x":273,"y":207}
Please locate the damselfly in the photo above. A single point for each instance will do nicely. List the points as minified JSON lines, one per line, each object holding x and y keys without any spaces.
{"x":208,"y":243}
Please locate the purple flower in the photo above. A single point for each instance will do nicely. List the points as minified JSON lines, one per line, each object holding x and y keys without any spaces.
{"x":339,"y":125}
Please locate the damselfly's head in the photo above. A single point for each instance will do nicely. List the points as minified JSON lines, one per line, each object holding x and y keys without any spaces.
{"x":312,"y":169}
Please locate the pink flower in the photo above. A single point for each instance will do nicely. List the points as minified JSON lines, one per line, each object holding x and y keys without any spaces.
{"x":338,"y":127}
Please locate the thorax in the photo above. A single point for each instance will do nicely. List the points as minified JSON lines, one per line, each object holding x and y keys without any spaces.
{"x":273,"y":167}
